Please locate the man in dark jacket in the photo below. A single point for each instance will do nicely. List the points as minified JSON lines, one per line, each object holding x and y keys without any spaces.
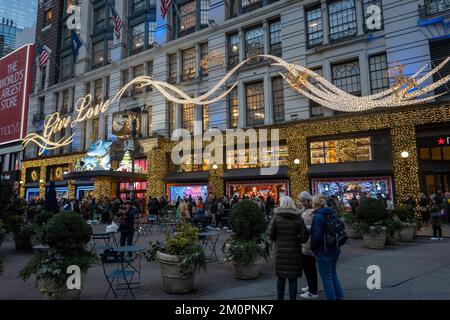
{"x":327,"y":257}
{"x":289,"y":231}
{"x":126,"y":226}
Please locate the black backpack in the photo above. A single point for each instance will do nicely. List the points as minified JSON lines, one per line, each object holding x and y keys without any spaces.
{"x":335,"y":234}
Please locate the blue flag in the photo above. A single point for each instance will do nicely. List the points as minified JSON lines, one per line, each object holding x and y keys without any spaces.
{"x":76,"y":44}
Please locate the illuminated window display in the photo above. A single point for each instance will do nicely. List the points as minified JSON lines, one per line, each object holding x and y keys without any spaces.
{"x":83,"y":192}
{"x":342,"y":150}
{"x":195,"y":191}
{"x":276,"y":188}
{"x":344,"y":188}
{"x":139,"y":189}
{"x":32,"y":193}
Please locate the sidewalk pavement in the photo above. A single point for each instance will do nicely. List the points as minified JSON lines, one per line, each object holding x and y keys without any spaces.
{"x":417,"y":270}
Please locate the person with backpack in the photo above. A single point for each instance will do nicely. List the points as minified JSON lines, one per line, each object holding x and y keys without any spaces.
{"x":289,"y":232}
{"x":327,"y":235}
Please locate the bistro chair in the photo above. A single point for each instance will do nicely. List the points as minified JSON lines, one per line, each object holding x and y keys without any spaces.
{"x":103,"y":238}
{"x":116,"y":273}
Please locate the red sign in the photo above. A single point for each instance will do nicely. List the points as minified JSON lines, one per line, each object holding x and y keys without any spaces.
{"x":15,"y":84}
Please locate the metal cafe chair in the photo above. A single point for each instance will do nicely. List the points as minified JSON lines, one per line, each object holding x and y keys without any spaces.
{"x":208,"y":241}
{"x":116,"y":274}
{"x":101,"y":237}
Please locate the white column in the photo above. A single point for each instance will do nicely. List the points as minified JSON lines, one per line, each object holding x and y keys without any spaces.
{"x":242,"y":106}
{"x":119,"y":50}
{"x":266,"y":37}
{"x":359,"y":16}
{"x":241,"y":45}
{"x":84,"y":57}
{"x":268,"y":110}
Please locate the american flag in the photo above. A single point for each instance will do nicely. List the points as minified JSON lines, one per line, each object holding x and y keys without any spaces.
{"x":118,"y":23}
{"x":43,"y":58}
{"x":165,"y":5}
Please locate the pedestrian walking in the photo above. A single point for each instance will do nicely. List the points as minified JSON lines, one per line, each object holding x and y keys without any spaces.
{"x":308,"y":258}
{"x":327,"y":256}
{"x":126,"y":226}
{"x":289,"y":232}
{"x":436,"y":221}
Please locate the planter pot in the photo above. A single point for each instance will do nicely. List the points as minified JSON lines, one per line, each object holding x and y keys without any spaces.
{"x":246,"y":271}
{"x":391,"y":240}
{"x":407,"y":233}
{"x":374,"y":240}
{"x":22,"y":242}
{"x":352,"y":232}
{"x":173,"y":280}
{"x":58,"y":292}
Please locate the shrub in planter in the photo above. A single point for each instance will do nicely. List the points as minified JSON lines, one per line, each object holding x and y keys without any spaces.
{"x":351,"y":225}
{"x":67,"y":235}
{"x":248,"y":244}
{"x":180,"y":258}
{"x":371,"y":215}
{"x":408,"y":221}
{"x":393,"y":227}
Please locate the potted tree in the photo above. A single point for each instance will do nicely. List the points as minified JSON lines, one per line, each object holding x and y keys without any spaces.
{"x":67,"y":235}
{"x":249,"y":243}
{"x":372,"y":216}
{"x":408,"y":222}
{"x":351,"y":225}
{"x":180,"y":258}
{"x":393,"y":227}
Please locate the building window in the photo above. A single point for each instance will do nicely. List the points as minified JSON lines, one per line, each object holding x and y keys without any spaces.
{"x":188,"y":17}
{"x":205,"y":117}
{"x":278,"y":99}
{"x":275,"y":37}
{"x":125,"y":80}
{"x":342,"y":150}
{"x":65,"y":102}
{"x":204,"y":8}
{"x":95,"y":129}
{"x":378,"y":73}
{"x":249,"y":5}
{"x":316,"y":109}
{"x":436,"y":6}
{"x":233,"y":50}
{"x":138,"y":71}
{"x":101,"y":53}
{"x":171,"y":116}
{"x":137,"y":5}
{"x":439,"y":52}
{"x":254,"y":42}
{"x":66,"y":68}
{"x":48,"y":17}
{"x":99,"y":17}
{"x":346,"y":76}
{"x":367,"y":14}
{"x":188,"y":63}
{"x":233,"y":109}
{"x":188,"y":117}
{"x":137,"y":37}
{"x":98,"y":91}
{"x":173,"y":68}
{"x":342,"y":17}
{"x":314,"y":26}
{"x":204,"y":63}
{"x":254,"y":94}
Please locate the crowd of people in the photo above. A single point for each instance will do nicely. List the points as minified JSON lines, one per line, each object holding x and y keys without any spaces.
{"x":298,"y":228}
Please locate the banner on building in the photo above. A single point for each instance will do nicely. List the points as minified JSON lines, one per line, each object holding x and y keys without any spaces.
{"x":15,"y":84}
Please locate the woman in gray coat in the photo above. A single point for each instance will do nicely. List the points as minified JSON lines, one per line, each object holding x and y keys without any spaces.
{"x":288,"y":231}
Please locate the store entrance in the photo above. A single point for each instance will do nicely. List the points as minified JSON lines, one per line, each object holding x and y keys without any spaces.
{"x":437,"y":182}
